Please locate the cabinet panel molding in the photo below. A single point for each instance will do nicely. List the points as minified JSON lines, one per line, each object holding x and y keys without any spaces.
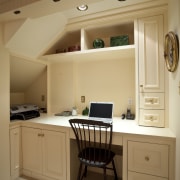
{"x":138,"y":176}
{"x":151,"y":30}
{"x":148,"y":158}
{"x":54,"y":154}
{"x":151,"y":118}
{"x":15,"y":152}
{"x":152,"y":100}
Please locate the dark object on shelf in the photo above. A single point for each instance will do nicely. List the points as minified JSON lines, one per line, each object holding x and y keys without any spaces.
{"x":98,"y":43}
{"x":119,"y":40}
{"x":94,"y":140}
{"x":61,"y":51}
{"x":74,"y":48}
{"x":64,"y":113}
{"x":85,"y":112}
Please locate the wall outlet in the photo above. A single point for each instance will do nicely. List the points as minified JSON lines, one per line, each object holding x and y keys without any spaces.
{"x":83,"y":99}
{"x":130,"y":101}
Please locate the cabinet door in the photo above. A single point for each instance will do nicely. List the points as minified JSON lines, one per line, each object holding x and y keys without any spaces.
{"x":151,"y":59}
{"x":32,"y":149}
{"x":15,"y":144}
{"x":54,"y":154}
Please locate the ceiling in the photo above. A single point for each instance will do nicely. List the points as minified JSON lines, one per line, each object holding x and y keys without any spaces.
{"x":38,"y":8}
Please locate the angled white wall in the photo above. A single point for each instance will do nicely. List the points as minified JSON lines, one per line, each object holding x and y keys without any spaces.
{"x":36,"y":35}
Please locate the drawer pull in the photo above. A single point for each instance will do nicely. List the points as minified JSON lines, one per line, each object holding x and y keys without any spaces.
{"x":151,"y":101}
{"x":40,"y":134}
{"x":147,"y":158}
{"x":151,"y":117}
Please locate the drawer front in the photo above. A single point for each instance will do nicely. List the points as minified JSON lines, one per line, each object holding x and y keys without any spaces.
{"x":148,"y":158}
{"x":152,"y":100}
{"x":152,"y":118}
{"x":138,"y":176}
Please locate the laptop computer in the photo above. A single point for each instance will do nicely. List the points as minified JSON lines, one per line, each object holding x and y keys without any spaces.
{"x":101,"y":111}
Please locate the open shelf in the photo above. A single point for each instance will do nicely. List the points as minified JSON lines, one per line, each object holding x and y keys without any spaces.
{"x":109,"y":53}
{"x":83,"y":38}
{"x":105,"y":33}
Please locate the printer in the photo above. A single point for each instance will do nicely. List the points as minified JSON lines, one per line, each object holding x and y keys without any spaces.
{"x":24,"y":111}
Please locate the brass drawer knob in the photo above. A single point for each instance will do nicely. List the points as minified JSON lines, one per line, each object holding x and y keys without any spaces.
{"x":147,"y":158}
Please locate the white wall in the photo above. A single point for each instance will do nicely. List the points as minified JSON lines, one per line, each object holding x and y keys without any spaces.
{"x":36,"y":90}
{"x":103,"y":80}
{"x":174,"y":80}
{"x":4,"y":111}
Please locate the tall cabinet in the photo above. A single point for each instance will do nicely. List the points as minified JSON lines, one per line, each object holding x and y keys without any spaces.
{"x":151,"y":71}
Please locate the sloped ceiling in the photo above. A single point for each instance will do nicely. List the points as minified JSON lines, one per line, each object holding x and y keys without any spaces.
{"x":23,"y":73}
{"x":35,"y":35}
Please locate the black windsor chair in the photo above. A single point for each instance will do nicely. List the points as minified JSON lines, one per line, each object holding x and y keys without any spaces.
{"x":94,"y":139}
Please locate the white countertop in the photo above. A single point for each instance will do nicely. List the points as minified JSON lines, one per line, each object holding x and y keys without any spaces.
{"x":119,"y":125}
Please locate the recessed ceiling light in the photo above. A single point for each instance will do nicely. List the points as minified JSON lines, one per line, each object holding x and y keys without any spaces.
{"x":82,"y":7}
{"x":17,"y":12}
{"x":121,"y":0}
{"x":56,"y":0}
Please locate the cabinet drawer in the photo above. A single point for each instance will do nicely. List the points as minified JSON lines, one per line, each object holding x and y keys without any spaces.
{"x":152,"y":100}
{"x":148,"y":158}
{"x":152,"y":118}
{"x":138,"y":176}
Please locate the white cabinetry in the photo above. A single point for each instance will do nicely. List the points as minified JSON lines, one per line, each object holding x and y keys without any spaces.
{"x":151,"y":71}
{"x":148,"y":161}
{"x":44,"y":153}
{"x":15,"y":152}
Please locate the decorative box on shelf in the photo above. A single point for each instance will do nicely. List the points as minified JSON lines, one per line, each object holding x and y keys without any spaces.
{"x":119,"y":40}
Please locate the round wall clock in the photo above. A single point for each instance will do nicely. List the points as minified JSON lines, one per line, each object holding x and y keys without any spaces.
{"x":171,"y":51}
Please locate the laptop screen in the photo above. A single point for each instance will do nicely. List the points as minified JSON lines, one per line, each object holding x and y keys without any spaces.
{"x":101,"y":110}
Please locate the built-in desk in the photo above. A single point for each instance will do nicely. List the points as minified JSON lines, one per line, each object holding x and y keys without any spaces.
{"x":148,"y":152}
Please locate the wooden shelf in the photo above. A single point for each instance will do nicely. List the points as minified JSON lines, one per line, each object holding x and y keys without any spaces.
{"x":109,"y":53}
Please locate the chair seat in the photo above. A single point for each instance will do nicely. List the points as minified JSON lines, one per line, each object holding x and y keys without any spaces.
{"x":96,"y":157}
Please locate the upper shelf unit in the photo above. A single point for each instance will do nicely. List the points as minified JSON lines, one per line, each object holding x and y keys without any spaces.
{"x":76,"y":45}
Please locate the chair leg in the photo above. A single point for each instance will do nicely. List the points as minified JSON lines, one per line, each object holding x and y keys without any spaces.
{"x":114,"y":168}
{"x":79,"y":173}
{"x":85,"y":171}
{"x":104,"y":173}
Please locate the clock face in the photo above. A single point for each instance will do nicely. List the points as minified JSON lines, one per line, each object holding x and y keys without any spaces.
{"x":171,"y":51}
